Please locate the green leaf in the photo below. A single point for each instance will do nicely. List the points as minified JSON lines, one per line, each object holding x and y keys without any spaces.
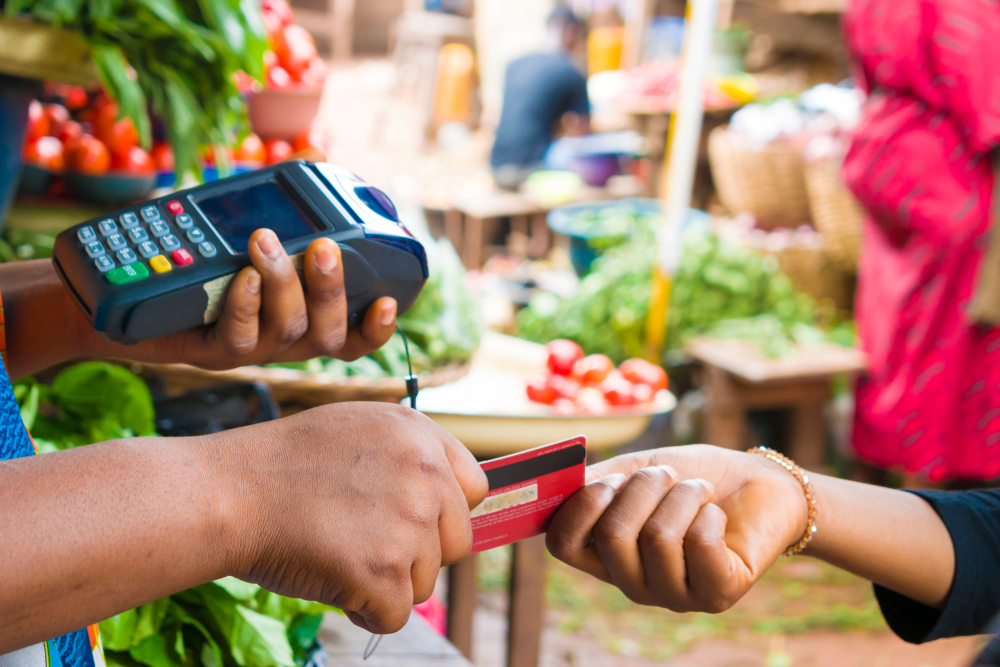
{"x":155,"y":652}
{"x":115,"y":74}
{"x":239,"y":589}
{"x":255,"y":640}
{"x":29,"y":409}
{"x":95,"y":390}
{"x":150,"y":619}
{"x":117,"y":631}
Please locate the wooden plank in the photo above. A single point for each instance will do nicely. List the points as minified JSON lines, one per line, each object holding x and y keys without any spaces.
{"x":743,"y":359}
{"x":725,"y":414}
{"x":462,"y":603}
{"x":37,"y":51}
{"x":416,"y":644}
{"x":526,"y":614}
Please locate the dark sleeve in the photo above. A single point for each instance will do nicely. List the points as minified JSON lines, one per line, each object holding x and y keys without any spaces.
{"x":578,"y":102}
{"x":973,"y":520}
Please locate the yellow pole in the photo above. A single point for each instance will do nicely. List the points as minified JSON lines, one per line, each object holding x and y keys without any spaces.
{"x":679,"y":162}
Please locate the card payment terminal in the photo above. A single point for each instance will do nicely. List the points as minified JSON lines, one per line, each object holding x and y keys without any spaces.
{"x":165,"y":265}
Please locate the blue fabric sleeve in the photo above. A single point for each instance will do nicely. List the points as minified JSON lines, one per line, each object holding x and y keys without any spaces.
{"x":973,"y":520}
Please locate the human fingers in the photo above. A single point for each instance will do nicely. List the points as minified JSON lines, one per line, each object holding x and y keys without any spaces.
{"x":570,"y":535}
{"x":661,"y":542}
{"x":616,"y":535}
{"x":375,"y":331}
{"x":238,"y":326}
{"x":284,"y":318}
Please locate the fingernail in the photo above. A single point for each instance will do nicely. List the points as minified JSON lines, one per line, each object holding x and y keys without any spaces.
{"x":388,"y":314}
{"x":708,"y":486}
{"x":615,"y":481}
{"x":269,"y":244}
{"x":253,"y":281}
{"x":669,"y":470}
{"x":326,"y":260}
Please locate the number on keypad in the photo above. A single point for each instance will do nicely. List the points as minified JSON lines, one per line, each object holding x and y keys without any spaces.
{"x":138,"y":235}
{"x":148,"y":249}
{"x":108,"y":227}
{"x":159,"y":228}
{"x":117,"y":241}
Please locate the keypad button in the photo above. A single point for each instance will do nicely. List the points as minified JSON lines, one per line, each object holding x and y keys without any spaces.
{"x":126,"y":256}
{"x":104,"y":263}
{"x":206,"y":249}
{"x":170,"y":243}
{"x":195,"y":235}
{"x":150,"y":213}
{"x":127,"y":274}
{"x":148,"y":249}
{"x":129,"y":220}
{"x":175,"y":207}
{"x":86,"y":234}
{"x":159,"y":228}
{"x":116,"y":242}
{"x":138,"y":235}
{"x":181,"y":257}
{"x":108,"y":227}
{"x":160,"y":264}
{"x":184,"y":221}
{"x":95,"y":249}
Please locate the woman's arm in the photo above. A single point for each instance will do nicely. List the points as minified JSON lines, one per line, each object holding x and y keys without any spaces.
{"x":269,"y":316}
{"x":693,"y":528}
{"x":356,"y":505}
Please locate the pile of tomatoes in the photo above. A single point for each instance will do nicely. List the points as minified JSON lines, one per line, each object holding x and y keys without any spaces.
{"x":84,"y":135}
{"x":292,"y":62}
{"x":578,"y":384}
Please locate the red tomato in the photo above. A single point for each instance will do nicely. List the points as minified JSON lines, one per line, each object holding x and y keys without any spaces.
{"x":272,"y":23}
{"x":314,"y":137}
{"x":163,"y":157}
{"x":562,"y":355}
{"x":134,"y":161}
{"x":300,"y":49}
{"x":58,"y":116}
{"x":244,"y":82}
{"x":278,"y":78}
{"x":279,"y":8}
{"x":539,"y":391}
{"x":38,"y":122}
{"x":640,"y":371}
{"x":121,"y":137}
{"x":617,"y":390}
{"x":591,"y":401}
{"x":593,"y":369}
{"x":314,"y":76}
{"x":563,"y":407}
{"x":90,"y":156}
{"x":270,"y":59}
{"x":277,"y":150}
{"x":105,"y":117}
{"x":76,"y":98}
{"x":563,"y":386}
{"x":251,"y":149}
{"x":643,"y":393}
{"x":70,"y":133}
{"x":45,"y":152}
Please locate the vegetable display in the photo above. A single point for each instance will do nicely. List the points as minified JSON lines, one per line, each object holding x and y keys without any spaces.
{"x":226,"y":622}
{"x":716,"y":281}
{"x":175,"y":57}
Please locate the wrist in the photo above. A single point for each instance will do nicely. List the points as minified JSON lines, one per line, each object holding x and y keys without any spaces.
{"x":791,"y":494}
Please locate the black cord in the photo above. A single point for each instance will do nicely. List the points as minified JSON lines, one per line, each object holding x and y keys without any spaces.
{"x":412,"y":386}
{"x":373,"y":643}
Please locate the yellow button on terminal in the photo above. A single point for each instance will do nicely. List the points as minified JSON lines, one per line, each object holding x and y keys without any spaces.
{"x":160,"y":264}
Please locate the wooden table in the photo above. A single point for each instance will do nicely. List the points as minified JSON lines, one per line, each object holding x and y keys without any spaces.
{"x":416,"y":645}
{"x":739,"y":379}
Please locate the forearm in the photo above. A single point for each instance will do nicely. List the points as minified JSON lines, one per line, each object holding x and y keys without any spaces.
{"x":43,"y":325}
{"x":890,"y":537}
{"x":92,"y":532}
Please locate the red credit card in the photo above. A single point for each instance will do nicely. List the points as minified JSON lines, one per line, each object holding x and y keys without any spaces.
{"x":526,"y":489}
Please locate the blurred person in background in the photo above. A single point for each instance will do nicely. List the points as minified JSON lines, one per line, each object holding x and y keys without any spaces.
{"x":545,"y":95}
{"x":920,"y":165}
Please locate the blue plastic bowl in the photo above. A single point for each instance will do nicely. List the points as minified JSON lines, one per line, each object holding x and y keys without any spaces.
{"x":581,"y":253}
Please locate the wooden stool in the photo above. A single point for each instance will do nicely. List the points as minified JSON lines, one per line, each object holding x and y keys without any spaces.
{"x":470,"y":220}
{"x":739,"y":379}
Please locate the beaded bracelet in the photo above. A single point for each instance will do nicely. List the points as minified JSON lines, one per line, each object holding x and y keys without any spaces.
{"x":807,"y":487}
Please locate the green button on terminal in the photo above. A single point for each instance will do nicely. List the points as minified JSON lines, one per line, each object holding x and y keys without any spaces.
{"x":127,"y":274}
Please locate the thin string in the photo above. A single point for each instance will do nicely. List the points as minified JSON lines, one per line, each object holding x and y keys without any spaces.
{"x":406,"y":346}
{"x":372,"y":645}
{"x":412,"y":385}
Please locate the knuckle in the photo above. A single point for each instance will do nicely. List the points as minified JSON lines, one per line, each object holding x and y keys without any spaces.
{"x":293,"y":329}
{"x":329,"y":343}
{"x":559,"y":546}
{"x":611,"y":531}
{"x":327,"y":298}
{"x":240,"y":346}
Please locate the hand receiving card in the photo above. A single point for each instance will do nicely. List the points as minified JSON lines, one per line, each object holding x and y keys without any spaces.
{"x":526,"y":489}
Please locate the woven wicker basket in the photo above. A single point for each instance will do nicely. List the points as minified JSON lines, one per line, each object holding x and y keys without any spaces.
{"x":835,"y":213}
{"x":293,"y":386}
{"x":812,"y":272}
{"x":769,"y":183}
{"x":812,"y":6}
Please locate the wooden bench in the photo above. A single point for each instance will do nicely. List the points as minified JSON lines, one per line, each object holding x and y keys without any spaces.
{"x":739,"y":379}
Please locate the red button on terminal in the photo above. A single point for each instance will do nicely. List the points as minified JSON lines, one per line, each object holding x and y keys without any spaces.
{"x":182,"y":257}
{"x":175,"y":207}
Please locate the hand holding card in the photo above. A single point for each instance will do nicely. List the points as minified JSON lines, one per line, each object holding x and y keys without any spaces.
{"x":526,"y":489}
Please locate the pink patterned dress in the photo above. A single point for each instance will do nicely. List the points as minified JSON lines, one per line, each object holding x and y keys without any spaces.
{"x":919,"y":164}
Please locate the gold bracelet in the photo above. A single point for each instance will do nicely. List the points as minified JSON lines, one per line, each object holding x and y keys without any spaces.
{"x":807,"y":487}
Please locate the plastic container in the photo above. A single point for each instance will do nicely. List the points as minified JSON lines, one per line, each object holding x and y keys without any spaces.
{"x":597,"y":169}
{"x":15,"y":96}
{"x":581,"y":253}
{"x":110,"y":188}
{"x":453,"y":93}
{"x":282,"y":114}
{"x":604,"y":49}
